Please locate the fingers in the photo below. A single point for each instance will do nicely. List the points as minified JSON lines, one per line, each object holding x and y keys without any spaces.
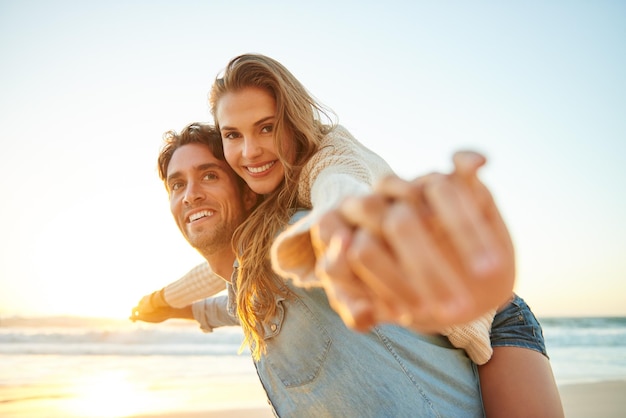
{"x":477,"y":238}
{"x":426,"y":262}
{"x":409,"y":282}
{"x":467,"y":163}
{"x":145,"y":311}
{"x":352,"y":302}
{"x":446,"y":236}
{"x":466,"y":166}
{"x":463,"y":222}
{"x":134,"y":314}
{"x":345,"y":260}
{"x":365,"y":212}
{"x":394,"y":298}
{"x":331,"y":223}
{"x":479,"y":224}
{"x":395,"y":188}
{"x":346,"y":295}
{"x":370,"y":261}
{"x":153,"y":317}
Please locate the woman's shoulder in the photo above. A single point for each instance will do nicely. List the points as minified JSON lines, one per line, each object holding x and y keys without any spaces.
{"x":340,"y":142}
{"x":337,"y":134}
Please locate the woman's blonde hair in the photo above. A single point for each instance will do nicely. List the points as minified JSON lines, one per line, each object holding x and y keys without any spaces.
{"x":299,"y":119}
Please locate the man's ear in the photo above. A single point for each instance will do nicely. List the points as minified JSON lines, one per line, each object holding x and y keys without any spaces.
{"x":250,"y":198}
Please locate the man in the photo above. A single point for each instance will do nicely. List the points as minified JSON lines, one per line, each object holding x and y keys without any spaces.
{"x":313,"y":365}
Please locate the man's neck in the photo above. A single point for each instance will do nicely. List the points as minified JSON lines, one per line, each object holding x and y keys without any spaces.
{"x":221,"y":263}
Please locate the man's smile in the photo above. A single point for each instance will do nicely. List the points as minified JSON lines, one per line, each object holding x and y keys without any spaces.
{"x":199,"y":215}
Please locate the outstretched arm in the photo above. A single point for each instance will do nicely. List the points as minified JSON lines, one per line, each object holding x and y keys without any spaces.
{"x":199,"y":283}
{"x":342,"y":167}
{"x":210,"y":312}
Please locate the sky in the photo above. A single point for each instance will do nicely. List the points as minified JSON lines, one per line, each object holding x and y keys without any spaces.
{"x":88,"y":88}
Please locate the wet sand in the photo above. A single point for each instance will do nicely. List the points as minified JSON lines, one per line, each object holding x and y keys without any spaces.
{"x":598,"y":400}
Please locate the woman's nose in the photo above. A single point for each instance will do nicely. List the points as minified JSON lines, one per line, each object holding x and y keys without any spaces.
{"x":251,"y":148}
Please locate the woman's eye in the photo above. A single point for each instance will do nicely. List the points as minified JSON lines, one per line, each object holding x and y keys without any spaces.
{"x":230,"y":135}
{"x":267,"y":129}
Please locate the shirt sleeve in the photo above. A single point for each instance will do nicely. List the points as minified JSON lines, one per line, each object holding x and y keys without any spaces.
{"x":212,"y":313}
{"x":199,"y":283}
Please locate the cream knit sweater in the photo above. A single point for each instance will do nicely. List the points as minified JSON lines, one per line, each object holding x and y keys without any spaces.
{"x":342,"y":167}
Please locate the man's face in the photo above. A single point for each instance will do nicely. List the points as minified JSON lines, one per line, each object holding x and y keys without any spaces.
{"x":204,"y":198}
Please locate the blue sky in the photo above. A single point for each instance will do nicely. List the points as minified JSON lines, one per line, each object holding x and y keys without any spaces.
{"x":88,"y":88}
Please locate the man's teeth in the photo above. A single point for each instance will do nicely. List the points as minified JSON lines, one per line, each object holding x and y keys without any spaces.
{"x":199,"y":215}
{"x":262,"y":168}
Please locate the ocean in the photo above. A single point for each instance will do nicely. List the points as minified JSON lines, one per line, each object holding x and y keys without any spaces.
{"x":85,"y":367}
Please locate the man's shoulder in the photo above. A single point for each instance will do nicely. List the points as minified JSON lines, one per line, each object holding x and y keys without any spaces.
{"x":298,"y":214}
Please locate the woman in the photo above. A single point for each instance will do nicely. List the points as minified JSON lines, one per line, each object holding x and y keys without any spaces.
{"x":275,"y":139}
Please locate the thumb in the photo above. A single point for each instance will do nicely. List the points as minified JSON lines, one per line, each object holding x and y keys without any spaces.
{"x":467,"y":163}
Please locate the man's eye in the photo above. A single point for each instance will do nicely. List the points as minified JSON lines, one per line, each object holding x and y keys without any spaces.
{"x":176,"y":186}
{"x":210,"y":176}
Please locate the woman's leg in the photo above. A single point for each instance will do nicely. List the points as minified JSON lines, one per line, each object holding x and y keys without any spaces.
{"x":518,"y":382}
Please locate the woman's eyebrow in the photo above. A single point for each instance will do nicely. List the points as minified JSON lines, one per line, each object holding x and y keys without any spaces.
{"x":257,"y":123}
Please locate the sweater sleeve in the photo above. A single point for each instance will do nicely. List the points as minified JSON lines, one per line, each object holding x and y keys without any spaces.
{"x":199,"y":283}
{"x":473,"y":337}
{"x":342,"y":167}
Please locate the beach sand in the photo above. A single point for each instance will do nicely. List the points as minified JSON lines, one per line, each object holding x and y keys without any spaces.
{"x":597,"y":400}
{"x":260,"y":412}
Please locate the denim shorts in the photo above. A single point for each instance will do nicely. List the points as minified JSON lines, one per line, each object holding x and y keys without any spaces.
{"x":516,"y":326}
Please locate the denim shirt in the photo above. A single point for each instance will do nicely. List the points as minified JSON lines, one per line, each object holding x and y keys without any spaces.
{"x":316,"y":367}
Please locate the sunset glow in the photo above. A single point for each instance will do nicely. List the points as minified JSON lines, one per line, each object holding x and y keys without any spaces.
{"x":89,"y":88}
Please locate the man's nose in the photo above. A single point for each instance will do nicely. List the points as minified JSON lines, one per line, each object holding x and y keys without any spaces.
{"x":193,"y":193}
{"x":251,"y":148}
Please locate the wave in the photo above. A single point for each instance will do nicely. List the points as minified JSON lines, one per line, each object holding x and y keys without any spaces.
{"x":63,"y":335}
{"x":585,"y":332}
{"x":115,"y":338}
{"x":585,"y":322}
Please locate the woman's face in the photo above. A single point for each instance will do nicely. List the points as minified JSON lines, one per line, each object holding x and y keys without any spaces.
{"x":246,"y":119}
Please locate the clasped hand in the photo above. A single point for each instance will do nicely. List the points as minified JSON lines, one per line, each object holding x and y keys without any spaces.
{"x":152,"y":308}
{"x":426,"y":253}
